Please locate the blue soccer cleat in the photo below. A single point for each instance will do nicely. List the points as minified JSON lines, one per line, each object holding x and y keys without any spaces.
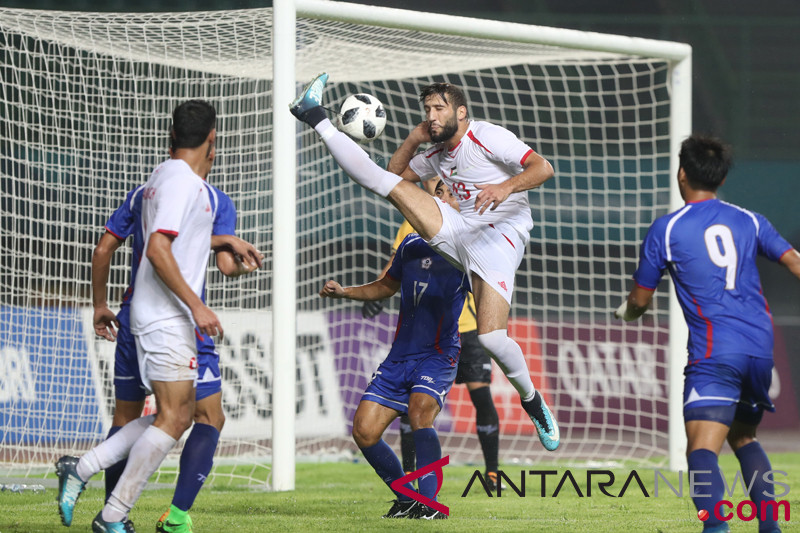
{"x":542,"y":418}
{"x":70,"y":487}
{"x":310,"y":98}
{"x":101,"y":526}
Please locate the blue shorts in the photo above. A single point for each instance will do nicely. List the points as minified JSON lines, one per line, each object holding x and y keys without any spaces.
{"x":394,"y":381}
{"x":209,"y":380}
{"x":727,"y":388}
{"x":128,"y":381}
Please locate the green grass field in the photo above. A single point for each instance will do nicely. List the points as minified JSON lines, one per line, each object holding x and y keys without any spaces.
{"x":349,"y":497}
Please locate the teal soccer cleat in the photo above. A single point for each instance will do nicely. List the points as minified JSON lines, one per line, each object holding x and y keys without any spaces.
{"x":542,"y":418}
{"x":310,"y":98}
{"x":70,"y":487}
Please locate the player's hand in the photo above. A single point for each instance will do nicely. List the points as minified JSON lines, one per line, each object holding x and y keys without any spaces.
{"x":207,"y":321}
{"x":491,"y":196}
{"x":371,"y":309}
{"x":246,"y":253}
{"x":331,"y":289}
{"x":421,"y":133}
{"x":105,"y":323}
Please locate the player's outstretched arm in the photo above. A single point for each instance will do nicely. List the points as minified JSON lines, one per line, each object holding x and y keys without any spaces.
{"x":398,"y":164}
{"x":104,"y":320}
{"x":377,"y":290}
{"x":791,"y":260}
{"x":536,"y":170}
{"x":635,"y":306}
{"x":159,"y":253}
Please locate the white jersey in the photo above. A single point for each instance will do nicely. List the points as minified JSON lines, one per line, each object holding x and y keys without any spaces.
{"x":487,"y":154}
{"x":175,"y":201}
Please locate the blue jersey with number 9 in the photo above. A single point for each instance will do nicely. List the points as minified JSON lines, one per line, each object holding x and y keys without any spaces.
{"x":710,"y":250}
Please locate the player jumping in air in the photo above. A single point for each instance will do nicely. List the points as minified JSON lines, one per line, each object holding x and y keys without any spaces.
{"x":418,"y":372}
{"x":489,"y":170}
{"x":709,"y":248}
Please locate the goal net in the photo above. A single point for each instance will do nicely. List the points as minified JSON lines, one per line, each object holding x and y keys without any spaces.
{"x":85,"y":101}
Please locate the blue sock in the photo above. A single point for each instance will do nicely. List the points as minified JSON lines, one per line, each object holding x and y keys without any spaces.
{"x":197,"y":459}
{"x":386,"y":464}
{"x":114,"y":472}
{"x":706,"y":496}
{"x":426,"y":441}
{"x":754,"y":462}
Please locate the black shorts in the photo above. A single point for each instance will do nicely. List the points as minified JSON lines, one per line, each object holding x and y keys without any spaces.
{"x":474,"y":364}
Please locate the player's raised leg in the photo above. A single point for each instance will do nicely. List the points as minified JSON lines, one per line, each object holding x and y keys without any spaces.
{"x":417,"y":206}
{"x":492,"y":317}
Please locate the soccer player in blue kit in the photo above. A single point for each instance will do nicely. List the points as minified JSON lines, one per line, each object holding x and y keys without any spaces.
{"x":421,"y":366}
{"x":234,"y":257}
{"x":709,"y":248}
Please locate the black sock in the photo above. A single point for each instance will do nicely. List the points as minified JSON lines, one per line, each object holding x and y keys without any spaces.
{"x":407,"y":449}
{"x":314,"y":116}
{"x":534,"y":408}
{"x":488,"y":426}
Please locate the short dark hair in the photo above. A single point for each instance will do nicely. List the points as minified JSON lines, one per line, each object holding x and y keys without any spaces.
{"x":705,"y":160}
{"x":192,"y":121}
{"x":448,"y":92}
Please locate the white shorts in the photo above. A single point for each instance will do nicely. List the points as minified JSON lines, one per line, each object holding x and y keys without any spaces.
{"x":493,"y":251}
{"x":167,"y":354}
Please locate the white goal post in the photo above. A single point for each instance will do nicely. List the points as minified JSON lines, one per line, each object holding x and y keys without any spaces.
{"x":85,"y":103}
{"x":559,"y":45}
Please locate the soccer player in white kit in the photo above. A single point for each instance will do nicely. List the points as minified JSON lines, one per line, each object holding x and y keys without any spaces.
{"x":489,"y":170}
{"x":177,"y":219}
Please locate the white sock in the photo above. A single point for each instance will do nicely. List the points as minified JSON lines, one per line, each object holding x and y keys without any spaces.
{"x":508,"y":356}
{"x":355,"y":161}
{"x":146,"y":456}
{"x":113,"y":449}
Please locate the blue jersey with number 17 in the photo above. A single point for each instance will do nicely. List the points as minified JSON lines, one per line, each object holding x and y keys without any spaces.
{"x":710,"y":249}
{"x":432,"y":293}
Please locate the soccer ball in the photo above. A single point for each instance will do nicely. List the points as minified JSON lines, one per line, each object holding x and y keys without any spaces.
{"x":362,"y":117}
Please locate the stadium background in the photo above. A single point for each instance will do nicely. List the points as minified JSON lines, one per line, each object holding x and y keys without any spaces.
{"x":746,"y":78}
